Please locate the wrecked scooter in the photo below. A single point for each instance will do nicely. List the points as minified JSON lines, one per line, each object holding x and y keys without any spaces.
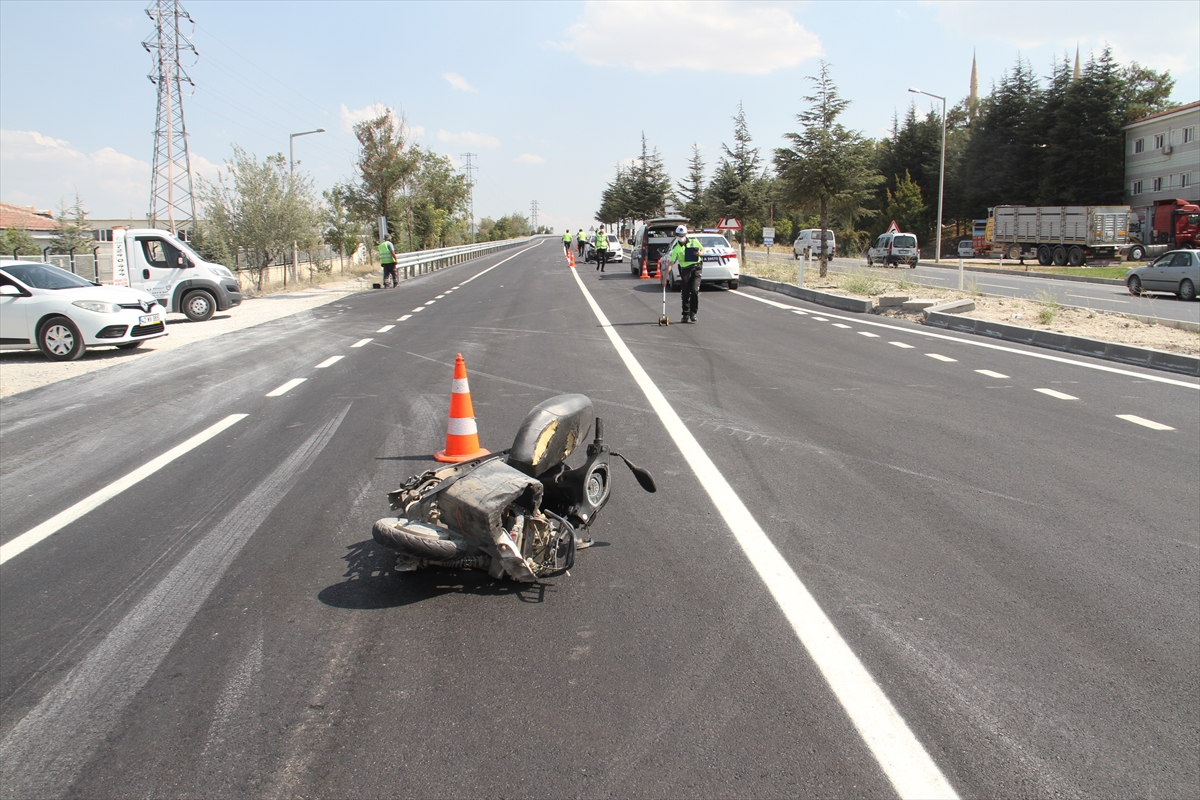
{"x":521,"y":513}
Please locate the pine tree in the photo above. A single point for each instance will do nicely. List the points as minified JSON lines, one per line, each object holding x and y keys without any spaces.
{"x":739,"y":187}
{"x":74,"y":234}
{"x":692,"y":191}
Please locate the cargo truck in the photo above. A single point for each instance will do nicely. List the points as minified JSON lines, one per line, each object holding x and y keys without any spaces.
{"x":1174,"y":225}
{"x":157,"y":262}
{"x":1059,"y":235}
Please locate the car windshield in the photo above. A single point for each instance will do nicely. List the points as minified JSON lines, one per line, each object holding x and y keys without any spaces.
{"x":904,"y":241}
{"x":713,"y":241}
{"x":45,"y":276}
{"x":612,"y":237}
{"x":1163,"y":260}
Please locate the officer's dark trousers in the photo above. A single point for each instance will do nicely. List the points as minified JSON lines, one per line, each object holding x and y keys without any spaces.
{"x":601,"y":259}
{"x":690,"y":279}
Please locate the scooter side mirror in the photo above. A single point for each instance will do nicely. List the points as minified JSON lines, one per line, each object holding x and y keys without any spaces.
{"x":644,"y":478}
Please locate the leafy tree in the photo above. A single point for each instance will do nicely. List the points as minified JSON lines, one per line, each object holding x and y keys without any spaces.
{"x":438,"y":195}
{"x":905,"y":205}
{"x":828,"y":168}
{"x":739,"y":187}
{"x":1144,"y":91}
{"x":386,"y":165}
{"x":74,"y":233}
{"x":260,"y":208}
{"x":17,"y":241}
{"x":341,"y":229}
{"x":507,"y":227}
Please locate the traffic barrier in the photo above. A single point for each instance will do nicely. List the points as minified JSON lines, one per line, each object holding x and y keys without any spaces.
{"x":462,"y":435}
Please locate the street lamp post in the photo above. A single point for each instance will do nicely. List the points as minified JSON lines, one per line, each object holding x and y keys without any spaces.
{"x":937,"y":254}
{"x":292,"y":171}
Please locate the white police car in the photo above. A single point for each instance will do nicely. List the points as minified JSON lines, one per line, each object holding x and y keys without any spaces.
{"x":720,"y":262}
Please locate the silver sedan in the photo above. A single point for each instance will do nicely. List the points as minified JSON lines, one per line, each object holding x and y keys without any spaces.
{"x":1176,"y":272}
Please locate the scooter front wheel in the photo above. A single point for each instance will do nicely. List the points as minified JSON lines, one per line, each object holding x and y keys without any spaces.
{"x":416,"y":539}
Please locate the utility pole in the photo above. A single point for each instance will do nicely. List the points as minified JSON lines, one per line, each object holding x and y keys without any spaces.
{"x":468,"y":168}
{"x":171,"y":176}
{"x":533,"y":209}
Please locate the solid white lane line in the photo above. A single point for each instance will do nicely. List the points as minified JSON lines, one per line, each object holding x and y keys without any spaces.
{"x":868,"y":334}
{"x":64,"y":518}
{"x":902,"y":758}
{"x":361,"y":342}
{"x":840,"y":325}
{"x":1056,"y":394}
{"x":287,"y":387}
{"x":973,"y":342}
{"x":385,"y":329}
{"x":941,"y":357}
{"x":406,"y":316}
{"x":1149,"y":423}
{"x":329,"y":362}
{"x":498,"y":263}
{"x":901,"y":345}
{"x":991,"y":374}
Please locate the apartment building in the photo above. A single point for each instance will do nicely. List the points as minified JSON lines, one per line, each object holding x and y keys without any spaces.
{"x":1162,"y":161}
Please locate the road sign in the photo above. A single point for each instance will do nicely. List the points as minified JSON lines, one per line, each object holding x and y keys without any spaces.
{"x":729,"y":224}
{"x":768,"y":237}
{"x":893,"y":228}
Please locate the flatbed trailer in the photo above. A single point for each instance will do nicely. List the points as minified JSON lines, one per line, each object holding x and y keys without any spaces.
{"x":1060,"y":235}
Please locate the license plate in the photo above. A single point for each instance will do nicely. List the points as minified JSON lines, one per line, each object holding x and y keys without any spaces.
{"x":149,"y":319}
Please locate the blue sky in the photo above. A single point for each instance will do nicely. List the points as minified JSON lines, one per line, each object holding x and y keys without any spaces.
{"x":550,"y":96}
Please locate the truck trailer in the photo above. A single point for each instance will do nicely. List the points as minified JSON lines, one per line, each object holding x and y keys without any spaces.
{"x":1074,"y":235}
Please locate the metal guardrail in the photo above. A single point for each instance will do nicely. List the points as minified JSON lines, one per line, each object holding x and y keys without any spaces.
{"x":429,"y":260}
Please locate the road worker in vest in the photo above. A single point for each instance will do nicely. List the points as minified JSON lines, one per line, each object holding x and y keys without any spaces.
{"x":687,"y":252}
{"x":601,"y":248}
{"x":387,"y":257}
{"x":567,"y":242}
{"x":580,"y":241}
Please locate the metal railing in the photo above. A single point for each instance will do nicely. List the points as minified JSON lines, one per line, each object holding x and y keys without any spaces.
{"x":428,"y":260}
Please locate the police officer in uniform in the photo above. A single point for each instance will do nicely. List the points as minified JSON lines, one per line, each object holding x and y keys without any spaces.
{"x":567,"y":242}
{"x":601,"y":249}
{"x":387,"y":257}
{"x":580,"y":240}
{"x":686,"y":252}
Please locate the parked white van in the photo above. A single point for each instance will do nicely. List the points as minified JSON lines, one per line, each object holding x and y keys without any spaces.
{"x":893,"y":249}
{"x":809,"y":241}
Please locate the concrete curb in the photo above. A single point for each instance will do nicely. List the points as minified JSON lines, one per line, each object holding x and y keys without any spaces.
{"x":1076,"y":345}
{"x":938,"y":317}
{"x":811,"y":295}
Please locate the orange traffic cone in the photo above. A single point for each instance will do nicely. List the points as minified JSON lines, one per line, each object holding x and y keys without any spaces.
{"x":644,"y":273}
{"x":571,"y":260}
{"x":657,"y":269}
{"x":462,"y":436}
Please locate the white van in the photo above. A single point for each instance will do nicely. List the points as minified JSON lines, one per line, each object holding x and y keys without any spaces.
{"x":155,"y":261}
{"x":893,"y":249}
{"x":809,"y":241}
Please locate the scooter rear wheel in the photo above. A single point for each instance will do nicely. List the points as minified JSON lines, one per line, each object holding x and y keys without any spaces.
{"x":389,"y":533}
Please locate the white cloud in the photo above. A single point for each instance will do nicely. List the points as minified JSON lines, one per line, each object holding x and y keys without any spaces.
{"x":1064,"y":25}
{"x":529,"y":158}
{"x":469,"y":139}
{"x":458,"y":82}
{"x":374,"y":111}
{"x":717,"y":36}
{"x":40,"y":170}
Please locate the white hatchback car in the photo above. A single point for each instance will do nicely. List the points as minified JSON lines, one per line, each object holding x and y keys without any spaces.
{"x":719,"y":259}
{"x":615,"y":251}
{"x":46,"y":308}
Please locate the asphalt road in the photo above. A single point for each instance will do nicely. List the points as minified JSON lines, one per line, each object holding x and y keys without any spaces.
{"x":1083,"y":294}
{"x":881,"y":561}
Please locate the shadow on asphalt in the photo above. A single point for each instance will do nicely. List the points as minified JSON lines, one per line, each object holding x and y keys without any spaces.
{"x":372,"y":582}
{"x":186,"y":321}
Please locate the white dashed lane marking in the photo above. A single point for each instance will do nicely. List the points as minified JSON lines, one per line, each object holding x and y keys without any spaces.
{"x":418,"y":309}
{"x":821,"y":319}
{"x":991,"y":374}
{"x":439,"y":297}
{"x":385,"y":329}
{"x":360,"y":343}
{"x":329,"y":362}
{"x":1148,"y":423}
{"x":941,"y":357}
{"x":1056,"y":394}
{"x":901,"y":345}
{"x":840,"y":325}
{"x":287,"y":387}
{"x":406,"y":316}
{"x":868,"y":334}
{"x":431,"y":302}
{"x":798,"y":311}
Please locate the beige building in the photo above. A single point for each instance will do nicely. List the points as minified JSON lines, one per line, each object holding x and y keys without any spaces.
{"x":1162,"y":161}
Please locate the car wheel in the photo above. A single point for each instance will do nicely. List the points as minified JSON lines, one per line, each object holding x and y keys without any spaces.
{"x":733,"y":284}
{"x":1060,"y":256}
{"x":1137,"y":253}
{"x":1186,"y":290}
{"x":914,"y":264}
{"x":199,"y":306}
{"x":1045,"y":256}
{"x":1134,"y":284}
{"x":870,"y":263}
{"x":130,"y":345}
{"x":1075,"y":257}
{"x":59,"y":339}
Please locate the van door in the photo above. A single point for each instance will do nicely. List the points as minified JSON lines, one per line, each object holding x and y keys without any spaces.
{"x":157,"y":266}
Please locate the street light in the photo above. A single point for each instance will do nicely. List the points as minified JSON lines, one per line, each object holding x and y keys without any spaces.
{"x":292,"y":147}
{"x":937,"y":254}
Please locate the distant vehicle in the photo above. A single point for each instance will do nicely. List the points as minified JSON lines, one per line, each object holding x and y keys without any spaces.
{"x":719,"y":259}
{"x":1176,"y":272}
{"x":893,"y":249}
{"x":809,"y":241}
{"x":1059,"y":235}
{"x":1174,"y":224}
{"x":43,"y":307}
{"x":615,"y":251}
{"x":157,"y":262}
{"x":980,"y":236}
{"x":966,"y":249}
{"x":652,"y":240}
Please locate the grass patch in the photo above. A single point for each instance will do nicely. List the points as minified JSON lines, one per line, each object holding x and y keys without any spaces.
{"x":860,"y":283}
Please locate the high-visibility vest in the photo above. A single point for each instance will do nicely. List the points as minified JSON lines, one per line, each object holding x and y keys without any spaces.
{"x":387,"y":255}
{"x":678,"y":252}
{"x":579,"y":237}
{"x":601,"y":240}
{"x":567,"y":237}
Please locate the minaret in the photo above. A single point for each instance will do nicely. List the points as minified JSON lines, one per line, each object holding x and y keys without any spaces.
{"x":973,"y":99}
{"x":1077,"y":73}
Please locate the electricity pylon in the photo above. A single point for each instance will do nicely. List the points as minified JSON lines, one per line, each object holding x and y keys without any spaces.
{"x":171,"y":176}
{"x":468,"y":167}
